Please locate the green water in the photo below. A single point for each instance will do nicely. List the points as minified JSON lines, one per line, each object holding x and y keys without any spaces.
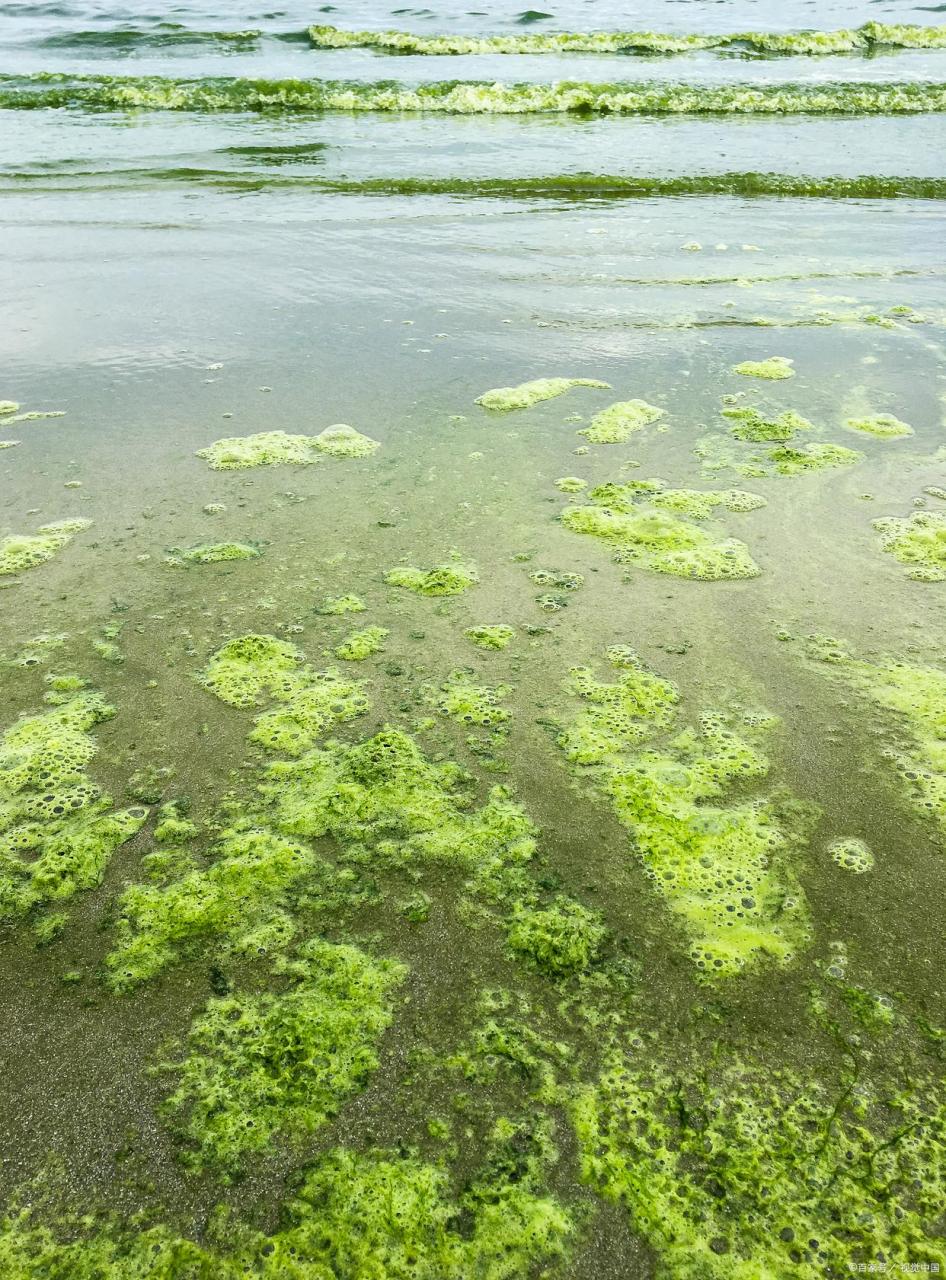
{"x":313,"y":999}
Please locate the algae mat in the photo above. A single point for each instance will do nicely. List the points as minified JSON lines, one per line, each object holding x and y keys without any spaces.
{"x":472,"y":656}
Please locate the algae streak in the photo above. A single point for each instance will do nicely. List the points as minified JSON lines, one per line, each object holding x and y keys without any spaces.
{"x":474,"y":97}
{"x":864,"y":39}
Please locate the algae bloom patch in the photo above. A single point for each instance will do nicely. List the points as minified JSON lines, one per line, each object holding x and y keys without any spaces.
{"x":852,"y":855}
{"x":441,"y":580}
{"x":917,"y":541}
{"x":774,"y":368}
{"x":640,"y":523}
{"x":25,"y":551}
{"x":57,"y":828}
{"x":527,"y":394}
{"x":362,"y":644}
{"x":214,"y":553}
{"x":882,"y":425}
{"x":258,"y":1066}
{"x":274,"y":448}
{"x":614,"y":425}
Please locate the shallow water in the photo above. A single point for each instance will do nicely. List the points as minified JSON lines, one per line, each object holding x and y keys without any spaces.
{"x":174,"y":278}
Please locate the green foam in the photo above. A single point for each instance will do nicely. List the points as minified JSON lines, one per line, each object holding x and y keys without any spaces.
{"x":272,"y":448}
{"x":658,"y":539}
{"x":774,"y":368}
{"x":265,"y":449}
{"x":441,"y":580}
{"x":215,"y":552}
{"x":44,"y":90}
{"x":493,"y":636}
{"x":503,"y":399}
{"x":338,"y":605}
{"x":24,"y":551}
{"x":742,"y":1173}
{"x":750,"y":424}
{"x":862,"y":39}
{"x":852,"y":855}
{"x":268,"y":1066}
{"x":58,"y":830}
{"x":472,"y":704}
{"x":616,"y":424}
{"x":721,"y":863}
{"x":917,"y":541}
{"x":882,"y":425}
{"x":362,"y":644}
{"x":790,"y":461}
{"x":561,"y":939}
{"x":246,"y":668}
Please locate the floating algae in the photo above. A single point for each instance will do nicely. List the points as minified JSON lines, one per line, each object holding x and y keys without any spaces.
{"x":214,"y":553}
{"x":851,"y":855}
{"x":57,"y":828}
{"x":339,"y":605}
{"x":615,"y":424}
{"x":272,"y":448}
{"x":723,"y":866}
{"x":918,"y":541}
{"x":441,"y":580}
{"x":562,"y":938}
{"x":571,"y":484}
{"x":472,"y":704}
{"x":503,"y":399}
{"x":774,"y":368}
{"x":742,"y":1172}
{"x":362,"y":644}
{"x":882,"y":425}
{"x":657,"y":539}
{"x":493,"y":636}
{"x":265,"y":449}
{"x":863,"y":39}
{"x":916,"y":695}
{"x":475,"y":97}
{"x":258,"y":1066}
{"x":789,"y":461}
{"x":342,"y":441}
{"x":25,"y":551}
{"x":749,"y":424}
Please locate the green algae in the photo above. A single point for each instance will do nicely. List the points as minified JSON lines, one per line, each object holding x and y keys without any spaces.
{"x":774,"y":368}
{"x":916,"y":697}
{"x":917,"y":541}
{"x":862,"y":39}
{"x":751,"y":1174}
{"x":215,"y":553}
{"x":58,"y":830}
{"x":384,"y":1214}
{"x":721,"y":864}
{"x":882,"y":425}
{"x":342,"y":441}
{"x":571,"y":484}
{"x":24,"y":551}
{"x":852,"y":855}
{"x":561,"y":939}
{"x":389,"y":1215}
{"x":494,"y":636}
{"x":699,"y":504}
{"x":336,"y":606}
{"x":44,"y":90}
{"x":469,"y":703}
{"x":504,"y":399}
{"x":750,"y":424}
{"x":362,"y":644}
{"x":442,"y":580}
{"x":615,"y":424}
{"x":7,"y":407}
{"x":658,"y":539}
{"x":270,"y":1066}
{"x":237,"y":905}
{"x":265,"y":449}
{"x":791,"y":461}
{"x":244,"y":669}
